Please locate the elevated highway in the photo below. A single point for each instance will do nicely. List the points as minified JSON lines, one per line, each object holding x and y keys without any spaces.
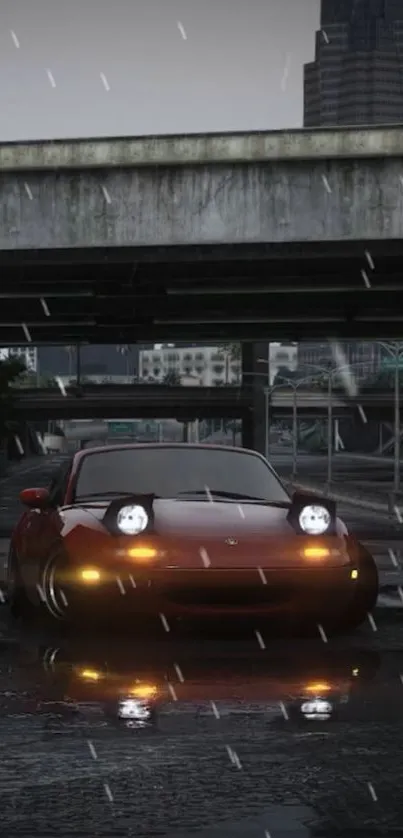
{"x":133,"y":401}
{"x":110,"y":401}
{"x":282,"y":234}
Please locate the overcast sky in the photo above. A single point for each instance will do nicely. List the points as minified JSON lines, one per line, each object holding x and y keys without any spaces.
{"x":169,"y":66}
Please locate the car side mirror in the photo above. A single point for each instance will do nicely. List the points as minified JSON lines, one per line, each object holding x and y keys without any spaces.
{"x":35,"y":498}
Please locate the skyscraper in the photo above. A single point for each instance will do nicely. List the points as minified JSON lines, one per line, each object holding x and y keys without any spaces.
{"x":355,"y":79}
{"x":357,"y":75}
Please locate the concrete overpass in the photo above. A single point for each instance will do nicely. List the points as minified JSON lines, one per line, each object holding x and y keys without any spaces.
{"x":133,"y":401}
{"x":337,"y":184}
{"x":140,"y":400}
{"x":235,"y":236}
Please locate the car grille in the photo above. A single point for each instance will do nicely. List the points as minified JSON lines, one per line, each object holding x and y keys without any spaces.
{"x":227,"y":596}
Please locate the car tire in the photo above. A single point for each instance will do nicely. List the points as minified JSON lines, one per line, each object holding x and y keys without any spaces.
{"x":19,"y":605}
{"x":366,"y":594}
{"x":53,"y":606}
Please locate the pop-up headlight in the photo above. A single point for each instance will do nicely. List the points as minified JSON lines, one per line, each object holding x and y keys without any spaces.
{"x":312,"y":516}
{"x":130,"y":515}
{"x":132,"y":519}
{"x":314,"y":519}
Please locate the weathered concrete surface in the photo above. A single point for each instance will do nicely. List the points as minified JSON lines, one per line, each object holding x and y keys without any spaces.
{"x":197,"y":149}
{"x":342,"y":184}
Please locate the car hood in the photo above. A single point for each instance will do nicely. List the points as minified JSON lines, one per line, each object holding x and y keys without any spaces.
{"x":219,"y":517}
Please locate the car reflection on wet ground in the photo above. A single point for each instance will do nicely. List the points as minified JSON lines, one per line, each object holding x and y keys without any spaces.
{"x":190,"y":736}
{"x":136,"y":686}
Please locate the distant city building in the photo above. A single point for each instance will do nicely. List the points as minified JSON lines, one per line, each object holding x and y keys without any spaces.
{"x":357,"y":75}
{"x":192,"y":363}
{"x":209,"y":366}
{"x":283,"y":358}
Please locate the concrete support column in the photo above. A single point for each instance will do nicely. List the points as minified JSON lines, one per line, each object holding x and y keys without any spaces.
{"x":27,"y":442}
{"x":247,"y":429}
{"x":254,"y":379}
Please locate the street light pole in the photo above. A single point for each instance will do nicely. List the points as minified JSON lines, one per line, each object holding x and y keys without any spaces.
{"x":267,"y":406}
{"x":294,"y":432}
{"x":329,"y":428}
{"x":396,"y":476}
{"x":396,"y":351}
{"x":267,"y":423}
{"x":78,"y":364}
{"x":273,"y":388}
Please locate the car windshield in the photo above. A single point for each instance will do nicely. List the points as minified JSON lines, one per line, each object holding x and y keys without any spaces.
{"x":169,"y":472}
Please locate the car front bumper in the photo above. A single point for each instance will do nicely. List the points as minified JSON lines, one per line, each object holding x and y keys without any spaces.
{"x":311,"y":592}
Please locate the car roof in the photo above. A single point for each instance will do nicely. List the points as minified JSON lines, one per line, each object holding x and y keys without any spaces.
{"x":128,"y":446}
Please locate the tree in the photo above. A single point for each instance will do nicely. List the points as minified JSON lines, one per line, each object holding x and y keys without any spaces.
{"x":172,"y":378}
{"x":11,"y":370}
{"x":232,"y":353}
{"x":32,"y":379}
{"x":234,"y":350}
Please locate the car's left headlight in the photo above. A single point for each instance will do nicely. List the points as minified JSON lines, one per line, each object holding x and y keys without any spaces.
{"x":314,"y":519}
{"x":132,"y":520}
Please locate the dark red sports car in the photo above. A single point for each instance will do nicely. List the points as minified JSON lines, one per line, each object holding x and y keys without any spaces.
{"x":176,"y":530}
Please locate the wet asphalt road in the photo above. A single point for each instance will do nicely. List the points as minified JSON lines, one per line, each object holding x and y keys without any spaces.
{"x":202,"y":735}
{"x":227,"y":743}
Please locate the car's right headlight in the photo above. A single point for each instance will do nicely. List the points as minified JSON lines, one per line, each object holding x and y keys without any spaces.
{"x":314,"y":519}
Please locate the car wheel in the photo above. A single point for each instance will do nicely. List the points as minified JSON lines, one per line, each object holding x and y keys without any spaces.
{"x":53,"y":599}
{"x":366,"y":594}
{"x":49,"y":658}
{"x":18,"y":602}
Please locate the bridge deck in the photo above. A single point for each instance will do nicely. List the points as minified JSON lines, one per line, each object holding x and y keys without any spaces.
{"x":171,"y":294}
{"x":141,"y":400}
{"x":261,"y":219}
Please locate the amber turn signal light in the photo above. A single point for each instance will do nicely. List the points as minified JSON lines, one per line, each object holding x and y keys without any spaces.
{"x":142,"y":553}
{"x":316,"y":552}
{"x":90,"y":575}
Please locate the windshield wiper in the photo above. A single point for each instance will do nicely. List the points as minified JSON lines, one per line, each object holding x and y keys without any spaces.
{"x":217,"y":493}
{"x":125,"y":494}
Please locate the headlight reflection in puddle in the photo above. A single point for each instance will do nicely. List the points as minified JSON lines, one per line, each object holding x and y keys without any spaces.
{"x":317,"y":709}
{"x":136,"y":713}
